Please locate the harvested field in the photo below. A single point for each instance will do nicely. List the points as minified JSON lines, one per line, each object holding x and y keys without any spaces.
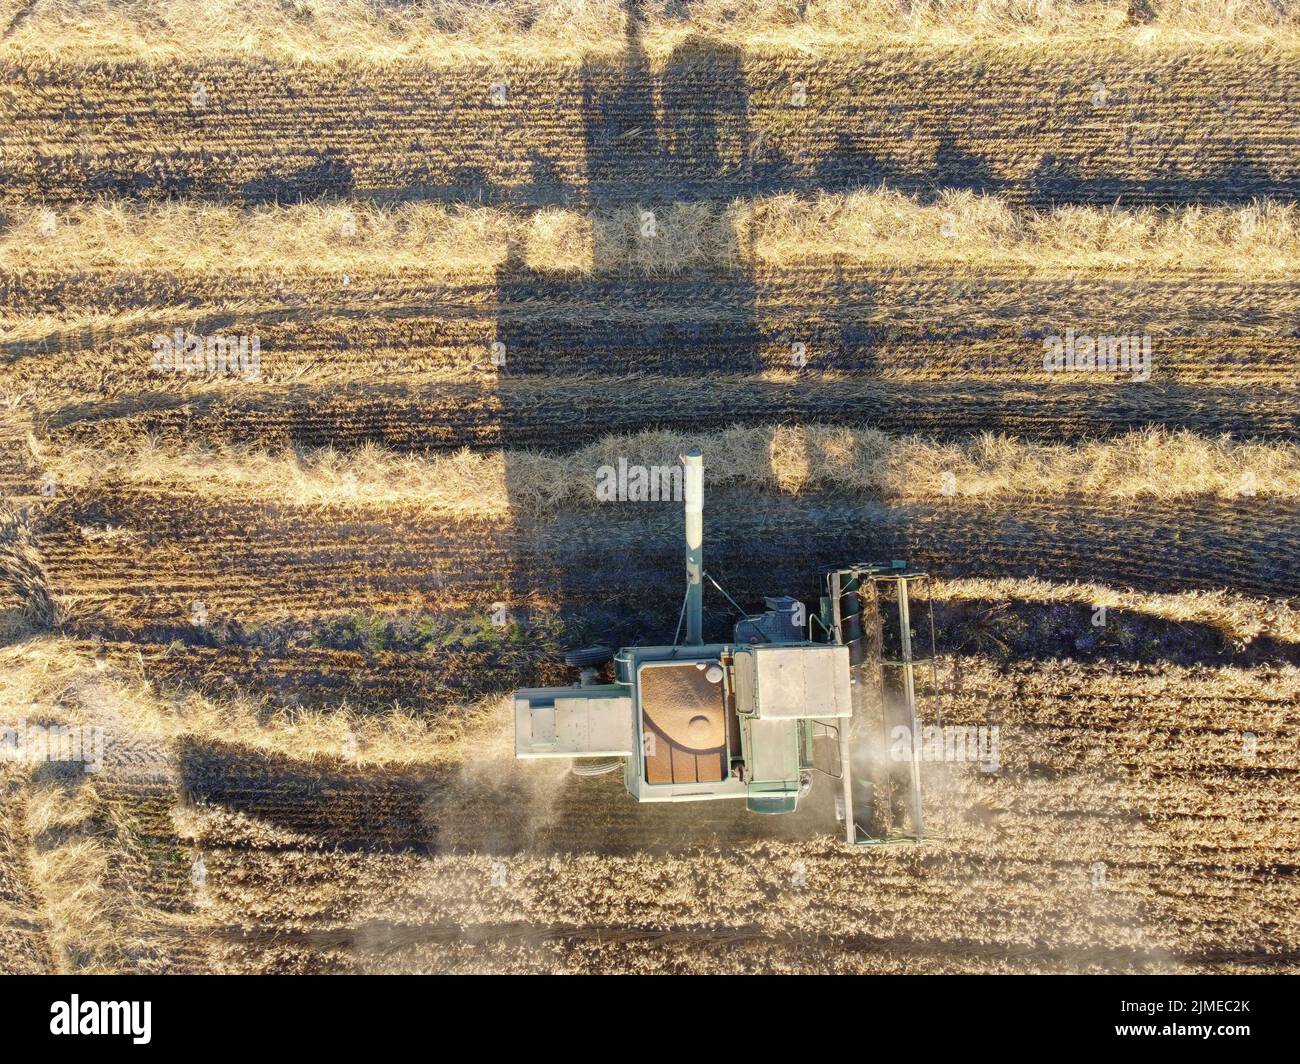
{"x":420,"y":869}
{"x":316,"y":332}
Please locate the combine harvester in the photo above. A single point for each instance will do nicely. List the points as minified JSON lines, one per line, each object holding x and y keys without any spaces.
{"x":758,"y":717}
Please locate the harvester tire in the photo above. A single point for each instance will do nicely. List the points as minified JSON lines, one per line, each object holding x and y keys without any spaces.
{"x":589,"y":657}
{"x":597,"y":767}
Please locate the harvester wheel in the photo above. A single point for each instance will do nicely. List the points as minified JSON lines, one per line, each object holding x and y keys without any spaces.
{"x":589,"y":657}
{"x":597,"y":767}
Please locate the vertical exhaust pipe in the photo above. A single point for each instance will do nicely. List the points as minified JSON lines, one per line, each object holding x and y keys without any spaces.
{"x":693,"y":460}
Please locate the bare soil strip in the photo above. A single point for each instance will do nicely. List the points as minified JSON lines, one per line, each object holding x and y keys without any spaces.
{"x":263,"y":562}
{"x":710,"y":120}
{"x":567,"y":413}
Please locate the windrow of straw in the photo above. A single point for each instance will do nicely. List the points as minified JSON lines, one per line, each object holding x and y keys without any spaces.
{"x":385,"y":31}
{"x":881,"y":228}
{"x":1150,"y":465}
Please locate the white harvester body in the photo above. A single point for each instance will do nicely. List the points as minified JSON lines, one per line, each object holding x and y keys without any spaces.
{"x":697,"y":721}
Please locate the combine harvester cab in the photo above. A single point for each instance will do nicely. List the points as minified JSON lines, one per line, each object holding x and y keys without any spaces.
{"x":699,"y":721}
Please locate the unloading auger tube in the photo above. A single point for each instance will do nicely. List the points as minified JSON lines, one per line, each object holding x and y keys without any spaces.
{"x":693,"y":461}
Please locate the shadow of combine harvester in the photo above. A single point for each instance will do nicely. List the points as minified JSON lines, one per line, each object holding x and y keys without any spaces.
{"x":654,"y":136}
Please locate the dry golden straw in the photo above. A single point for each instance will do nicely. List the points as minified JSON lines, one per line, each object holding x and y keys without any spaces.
{"x":23,"y":571}
{"x":878,"y":227}
{"x":1150,"y":465}
{"x":451,"y":31}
